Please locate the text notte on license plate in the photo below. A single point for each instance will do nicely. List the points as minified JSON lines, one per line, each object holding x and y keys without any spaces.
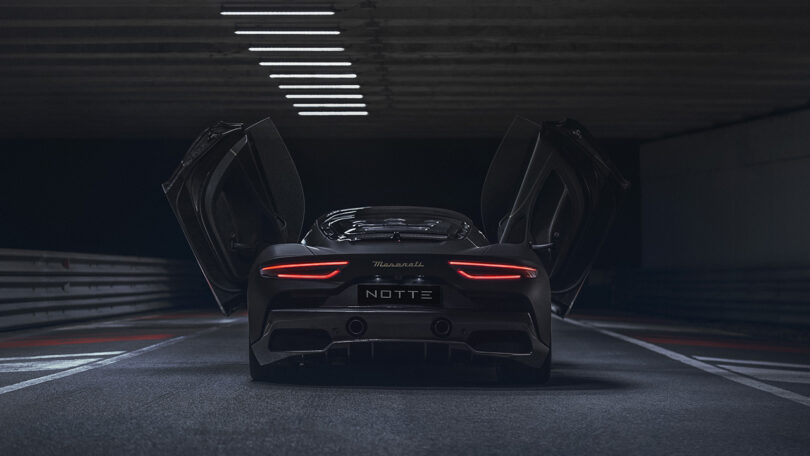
{"x":370,"y":295}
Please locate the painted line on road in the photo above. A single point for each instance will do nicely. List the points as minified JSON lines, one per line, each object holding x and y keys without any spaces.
{"x":773,"y":375}
{"x":67,"y":355}
{"x":154,"y":323}
{"x":753,"y":362}
{"x":103,"y":362}
{"x":79,"y":340}
{"x":656,"y":327}
{"x":50,"y":364}
{"x":734,"y":377}
{"x":174,"y":316}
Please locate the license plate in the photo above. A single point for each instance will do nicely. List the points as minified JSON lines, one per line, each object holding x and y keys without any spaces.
{"x":373,"y":295}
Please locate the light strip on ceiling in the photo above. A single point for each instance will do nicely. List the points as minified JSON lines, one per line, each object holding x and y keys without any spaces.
{"x":306,"y":64}
{"x":287,"y":32}
{"x":277,"y":13}
{"x":313,"y":76}
{"x":329,"y":105}
{"x":333,"y":113}
{"x":295,"y":49}
{"x":347,"y":96}
{"x":318,"y":86}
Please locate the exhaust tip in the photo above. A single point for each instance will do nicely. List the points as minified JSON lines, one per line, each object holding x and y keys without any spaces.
{"x":356,"y":326}
{"x":441,"y":327}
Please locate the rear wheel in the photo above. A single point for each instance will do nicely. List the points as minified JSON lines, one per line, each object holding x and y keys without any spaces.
{"x":513,"y":372}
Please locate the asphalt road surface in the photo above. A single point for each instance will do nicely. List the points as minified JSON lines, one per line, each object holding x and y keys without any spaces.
{"x":178,"y":384}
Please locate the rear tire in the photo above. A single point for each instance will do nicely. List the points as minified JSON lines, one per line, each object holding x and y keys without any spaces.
{"x":513,"y":372}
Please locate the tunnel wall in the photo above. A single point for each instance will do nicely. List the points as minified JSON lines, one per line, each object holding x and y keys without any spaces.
{"x":40,"y":288}
{"x":726,"y":225}
{"x":737,"y":196}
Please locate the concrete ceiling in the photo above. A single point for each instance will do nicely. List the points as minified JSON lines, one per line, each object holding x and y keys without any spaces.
{"x":455,"y":68}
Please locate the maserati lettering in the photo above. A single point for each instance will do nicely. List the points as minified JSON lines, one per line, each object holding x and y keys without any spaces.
{"x":398,"y":264}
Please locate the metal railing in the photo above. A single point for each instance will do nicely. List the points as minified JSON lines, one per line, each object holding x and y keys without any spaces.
{"x":38,"y":287}
{"x":778,"y":296}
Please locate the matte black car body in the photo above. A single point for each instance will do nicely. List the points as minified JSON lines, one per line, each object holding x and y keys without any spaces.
{"x":398,"y":282}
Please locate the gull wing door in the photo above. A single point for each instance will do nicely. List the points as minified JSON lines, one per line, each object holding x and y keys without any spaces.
{"x":549,"y":185}
{"x":235,"y":192}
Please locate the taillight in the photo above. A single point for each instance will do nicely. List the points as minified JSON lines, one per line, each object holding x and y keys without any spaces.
{"x":492,"y":271}
{"x":319,"y":270}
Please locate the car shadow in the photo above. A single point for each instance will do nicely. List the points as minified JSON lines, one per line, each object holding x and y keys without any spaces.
{"x":383,"y":376}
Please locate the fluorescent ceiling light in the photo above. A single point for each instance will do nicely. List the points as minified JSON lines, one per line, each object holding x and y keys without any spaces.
{"x":295,"y":49}
{"x":313,"y":76}
{"x":333,"y":113}
{"x":329,"y":105}
{"x":312,"y":64}
{"x":311,"y":86}
{"x":287,"y":32}
{"x":352,"y":96}
{"x":277,"y":13}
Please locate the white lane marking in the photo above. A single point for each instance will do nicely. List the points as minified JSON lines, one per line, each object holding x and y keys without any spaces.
{"x":66,"y":355}
{"x":652,"y":327}
{"x":102,"y":362}
{"x":154,"y":322}
{"x":773,"y":375}
{"x":728,"y":375}
{"x":139,"y":320}
{"x":33,"y":366}
{"x":752,"y":362}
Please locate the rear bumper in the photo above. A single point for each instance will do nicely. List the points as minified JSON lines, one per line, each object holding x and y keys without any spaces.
{"x":472,"y":335}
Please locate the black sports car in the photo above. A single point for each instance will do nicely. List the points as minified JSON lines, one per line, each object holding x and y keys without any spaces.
{"x":398,"y":282}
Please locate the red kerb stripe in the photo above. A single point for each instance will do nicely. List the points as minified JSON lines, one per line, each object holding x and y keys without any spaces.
{"x":725,"y":344}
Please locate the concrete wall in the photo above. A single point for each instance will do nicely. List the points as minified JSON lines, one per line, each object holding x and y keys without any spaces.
{"x":737,"y":196}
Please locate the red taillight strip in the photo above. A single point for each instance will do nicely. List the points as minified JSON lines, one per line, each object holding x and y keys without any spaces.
{"x":488,"y":277}
{"x":524,"y":271}
{"x":309,"y":276}
{"x":305,"y":265}
{"x":277,"y":270}
{"x":492,"y":265}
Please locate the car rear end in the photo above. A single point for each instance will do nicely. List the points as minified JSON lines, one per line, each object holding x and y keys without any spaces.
{"x":421,"y":300}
